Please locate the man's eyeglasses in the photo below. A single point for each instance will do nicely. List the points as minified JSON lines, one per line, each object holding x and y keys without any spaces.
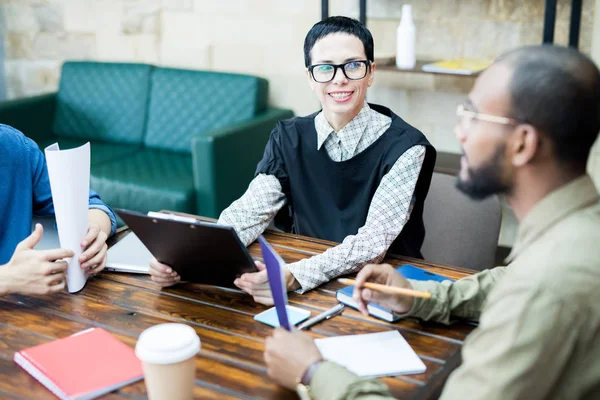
{"x":353,"y":70}
{"x":466,"y":118}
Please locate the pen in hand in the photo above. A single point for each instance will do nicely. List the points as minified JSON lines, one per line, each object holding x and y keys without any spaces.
{"x":332,"y":312}
{"x":388,"y":289}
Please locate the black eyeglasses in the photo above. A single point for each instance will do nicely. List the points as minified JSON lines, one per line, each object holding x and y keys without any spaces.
{"x":353,"y":70}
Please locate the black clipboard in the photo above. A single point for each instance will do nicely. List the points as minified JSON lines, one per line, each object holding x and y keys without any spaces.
{"x":200,"y":252}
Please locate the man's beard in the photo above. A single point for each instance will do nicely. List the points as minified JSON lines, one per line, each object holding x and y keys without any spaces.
{"x":486,"y":180}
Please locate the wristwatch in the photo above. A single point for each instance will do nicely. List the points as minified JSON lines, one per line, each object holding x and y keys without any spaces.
{"x":304,"y":381}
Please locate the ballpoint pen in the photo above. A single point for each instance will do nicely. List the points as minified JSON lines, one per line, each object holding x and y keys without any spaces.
{"x":332,"y":312}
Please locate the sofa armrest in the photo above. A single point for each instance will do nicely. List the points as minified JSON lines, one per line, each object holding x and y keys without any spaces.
{"x":225,"y":159}
{"x":31,"y":115}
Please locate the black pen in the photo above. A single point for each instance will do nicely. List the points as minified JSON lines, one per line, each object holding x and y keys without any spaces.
{"x":332,"y":312}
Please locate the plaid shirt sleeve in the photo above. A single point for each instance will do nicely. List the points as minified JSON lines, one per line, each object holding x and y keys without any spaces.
{"x":251,"y":214}
{"x":388,"y":213}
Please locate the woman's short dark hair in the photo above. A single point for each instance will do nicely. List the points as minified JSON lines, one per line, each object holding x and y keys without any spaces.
{"x":557,"y":90}
{"x":338,"y":24}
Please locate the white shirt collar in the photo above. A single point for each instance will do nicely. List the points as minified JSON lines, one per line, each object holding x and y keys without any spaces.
{"x":359,"y":122}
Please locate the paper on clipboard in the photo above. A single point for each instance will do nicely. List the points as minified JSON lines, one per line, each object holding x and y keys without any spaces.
{"x":69,"y":174}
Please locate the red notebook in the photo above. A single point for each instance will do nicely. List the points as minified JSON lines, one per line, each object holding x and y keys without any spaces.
{"x":85,"y":365}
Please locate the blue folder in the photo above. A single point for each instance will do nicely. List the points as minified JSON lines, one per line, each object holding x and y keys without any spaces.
{"x":408,"y":271}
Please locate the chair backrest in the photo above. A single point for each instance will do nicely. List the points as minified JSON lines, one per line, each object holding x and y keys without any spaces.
{"x":459,"y":231}
{"x":185,"y":103}
{"x":104,"y":101}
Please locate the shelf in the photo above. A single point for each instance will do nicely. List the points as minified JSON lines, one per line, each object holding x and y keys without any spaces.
{"x":389,"y":64}
{"x":549,"y":20}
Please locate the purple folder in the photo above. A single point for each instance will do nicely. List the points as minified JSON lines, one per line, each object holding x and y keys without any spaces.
{"x":275,"y":266}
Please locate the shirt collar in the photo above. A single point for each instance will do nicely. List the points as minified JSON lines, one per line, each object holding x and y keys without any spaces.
{"x":360,"y":121}
{"x":553,"y":208}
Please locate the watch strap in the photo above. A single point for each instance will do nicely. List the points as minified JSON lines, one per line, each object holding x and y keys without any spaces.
{"x":308,"y":374}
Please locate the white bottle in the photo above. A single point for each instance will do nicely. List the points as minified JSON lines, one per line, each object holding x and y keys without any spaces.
{"x":406,"y":40}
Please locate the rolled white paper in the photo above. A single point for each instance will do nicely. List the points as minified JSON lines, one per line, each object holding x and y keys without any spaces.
{"x":69,"y":173}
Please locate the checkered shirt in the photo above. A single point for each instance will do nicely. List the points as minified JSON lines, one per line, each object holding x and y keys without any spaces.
{"x":388,"y":213}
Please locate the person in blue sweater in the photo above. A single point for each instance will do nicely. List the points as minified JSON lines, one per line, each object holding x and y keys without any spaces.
{"x":25,"y":192}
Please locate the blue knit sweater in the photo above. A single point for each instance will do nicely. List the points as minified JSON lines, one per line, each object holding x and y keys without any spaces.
{"x":25,"y":190}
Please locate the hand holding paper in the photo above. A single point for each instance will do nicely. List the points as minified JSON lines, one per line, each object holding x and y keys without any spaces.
{"x":94,"y":243}
{"x":69,"y":174}
{"x":35,"y":272}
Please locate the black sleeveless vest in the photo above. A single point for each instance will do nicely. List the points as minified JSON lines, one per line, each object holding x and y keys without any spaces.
{"x":330,"y":200}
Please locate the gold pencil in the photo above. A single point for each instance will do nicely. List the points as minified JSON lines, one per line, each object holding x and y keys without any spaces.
{"x":388,"y":289}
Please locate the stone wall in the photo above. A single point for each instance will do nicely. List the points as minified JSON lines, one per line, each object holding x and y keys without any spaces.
{"x":262,"y":37}
{"x":449,"y":29}
{"x":265,"y":37}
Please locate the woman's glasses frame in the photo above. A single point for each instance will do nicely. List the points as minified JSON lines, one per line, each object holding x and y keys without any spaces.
{"x":343,"y":66}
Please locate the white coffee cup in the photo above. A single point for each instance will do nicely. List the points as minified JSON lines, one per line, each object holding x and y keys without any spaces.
{"x":168,"y":354}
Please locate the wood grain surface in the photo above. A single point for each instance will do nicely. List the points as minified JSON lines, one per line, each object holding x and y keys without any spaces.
{"x":230,"y":364}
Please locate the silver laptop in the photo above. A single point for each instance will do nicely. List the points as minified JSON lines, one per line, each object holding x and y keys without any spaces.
{"x":128,"y":255}
{"x":50,"y":237}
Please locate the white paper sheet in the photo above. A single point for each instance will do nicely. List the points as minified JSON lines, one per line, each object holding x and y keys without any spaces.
{"x":69,"y":172}
{"x":372,"y":354}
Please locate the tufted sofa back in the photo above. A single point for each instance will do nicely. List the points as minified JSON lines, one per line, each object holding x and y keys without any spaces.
{"x":103,"y":101}
{"x":188,"y":103}
{"x":161,"y":108}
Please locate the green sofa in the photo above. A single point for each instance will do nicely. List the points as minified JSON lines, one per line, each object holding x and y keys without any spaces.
{"x":161,"y":138}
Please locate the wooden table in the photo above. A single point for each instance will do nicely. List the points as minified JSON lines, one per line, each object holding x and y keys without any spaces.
{"x":231,"y":364}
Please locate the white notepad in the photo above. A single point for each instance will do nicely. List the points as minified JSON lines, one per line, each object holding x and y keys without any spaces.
{"x":373,"y":354}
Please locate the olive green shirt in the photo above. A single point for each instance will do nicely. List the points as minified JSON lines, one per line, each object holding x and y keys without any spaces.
{"x":539,"y":330}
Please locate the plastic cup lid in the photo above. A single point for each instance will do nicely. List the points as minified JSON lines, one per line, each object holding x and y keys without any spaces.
{"x":167,"y":344}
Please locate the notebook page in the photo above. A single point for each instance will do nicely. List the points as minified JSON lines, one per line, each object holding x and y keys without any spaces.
{"x":373,"y":354}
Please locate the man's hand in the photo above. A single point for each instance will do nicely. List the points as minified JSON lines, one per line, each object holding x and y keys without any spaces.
{"x":162,"y":274}
{"x":256,"y":284}
{"x":33,"y":272}
{"x":288,"y":355}
{"x":383,"y":274}
{"x":94,"y":243}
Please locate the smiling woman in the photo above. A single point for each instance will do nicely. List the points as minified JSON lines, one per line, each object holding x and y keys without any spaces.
{"x":342,"y":95}
{"x":354,"y":173}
